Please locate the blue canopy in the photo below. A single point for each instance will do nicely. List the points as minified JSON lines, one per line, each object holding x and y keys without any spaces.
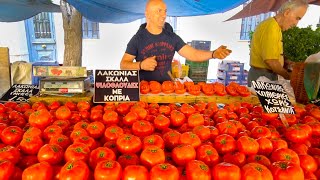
{"x":17,"y":10}
{"x":113,"y":11}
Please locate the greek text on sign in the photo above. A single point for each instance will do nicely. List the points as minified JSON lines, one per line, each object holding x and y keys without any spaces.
{"x":273,"y":97}
{"x":116,"y":86}
{"x":20,"y":92}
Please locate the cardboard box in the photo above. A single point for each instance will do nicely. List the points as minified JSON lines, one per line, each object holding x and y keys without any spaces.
{"x":59,"y":71}
{"x":5,"y":79}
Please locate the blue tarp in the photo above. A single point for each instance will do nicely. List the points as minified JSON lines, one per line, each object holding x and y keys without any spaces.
{"x":113,"y":11}
{"x":17,"y":10}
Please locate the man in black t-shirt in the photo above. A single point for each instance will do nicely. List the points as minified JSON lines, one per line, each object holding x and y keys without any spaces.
{"x":154,"y":45}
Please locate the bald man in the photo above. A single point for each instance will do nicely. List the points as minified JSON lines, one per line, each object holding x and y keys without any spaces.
{"x":266,"y":53}
{"x":152,"y":48}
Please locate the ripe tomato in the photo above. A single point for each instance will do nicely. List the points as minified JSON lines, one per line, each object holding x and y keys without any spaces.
{"x":6,"y":169}
{"x":128,"y":143}
{"x":195,"y":120}
{"x":278,"y":143}
{"x":142,"y":128}
{"x":130,"y":118}
{"x":87,"y":140}
{"x":261,"y":159}
{"x":135,"y":172}
{"x":141,"y":112}
{"x":256,"y":171}
{"x":260,"y":131}
{"x":40,"y":119}
{"x":50,"y":153}
{"x":75,"y":169}
{"x":51,"y":131}
{"x":42,"y":170}
{"x":77,"y":151}
{"x":247,"y":145}
{"x":203,"y":132}
{"x":110,"y":118}
{"x":83,"y":106}
{"x":224,"y":143}
{"x":63,"y":112}
{"x":151,"y":156}
{"x":285,"y":154}
{"x":161,"y":122}
{"x":298,"y":133}
{"x":144,"y":88}
{"x":177,"y":118}
{"x":113,"y":132}
{"x":153,"y":140}
{"x":208,"y":155}
{"x":10,"y":153}
{"x":265,"y":146}
{"x":96,"y":129}
{"x":31,"y":145}
{"x":236,"y":158}
{"x":308,"y":163}
{"x":171,"y":139}
{"x":128,"y":159}
{"x":11,"y":135}
{"x":63,"y":124}
{"x":196,"y":169}
{"x":81,"y":125}
{"x":227,"y":127}
{"x":164,"y":171}
{"x":286,"y":170}
{"x":190,"y":138}
{"x":225,"y":170}
{"x":183,"y":153}
{"x":27,"y":161}
{"x":54,"y":105}
{"x":77,"y":133}
{"x":100,"y":154}
{"x":61,"y":140}
{"x":108,"y":170}
{"x":187,"y":110}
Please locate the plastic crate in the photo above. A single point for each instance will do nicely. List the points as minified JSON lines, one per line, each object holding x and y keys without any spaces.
{"x":36,"y":80}
{"x":199,"y":44}
{"x":198,"y":71}
{"x":235,"y":67}
{"x":230,"y":75}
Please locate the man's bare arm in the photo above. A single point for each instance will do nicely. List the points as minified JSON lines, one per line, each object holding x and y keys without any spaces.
{"x":201,"y":55}
{"x":148,"y":64}
{"x":276,"y":67}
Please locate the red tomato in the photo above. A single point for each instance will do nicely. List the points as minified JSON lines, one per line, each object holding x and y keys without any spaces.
{"x":77,"y":133}
{"x":224,"y":143}
{"x":113,"y":132}
{"x":61,"y":140}
{"x":75,"y":169}
{"x":161,"y":122}
{"x":286,"y":170}
{"x":225,"y":170}
{"x":278,"y":143}
{"x":190,"y":138}
{"x":10,"y":153}
{"x":50,"y":153}
{"x":6,"y":169}
{"x":236,"y":158}
{"x":81,"y":125}
{"x":256,"y":171}
{"x":54,"y":105}
{"x":171,"y":139}
{"x":151,"y":156}
{"x":265,"y":146}
{"x":31,"y":145}
{"x":195,"y":120}
{"x":308,"y":163}
{"x":128,"y":159}
{"x":77,"y":151}
{"x":100,"y":154}
{"x":128,"y":143}
{"x":227,"y":127}
{"x":63,"y":112}
{"x":83,"y":106}
{"x":51,"y":131}
{"x":63,"y":124}
{"x":164,"y":171}
{"x":187,"y":110}
{"x":183,"y":153}
{"x":87,"y":140}
{"x":261,"y":159}
{"x":40,"y":119}
{"x":27,"y":161}
{"x":298,"y":133}
{"x":285,"y":154}
{"x":110,"y":118}
{"x":247,"y":145}
{"x":153,"y":140}
{"x":42,"y":170}
{"x":177,"y":118}
{"x":208,"y":155}
{"x":198,"y":170}
{"x":11,"y":135}
{"x":130,"y":118}
{"x":135,"y":172}
{"x":96,"y":129}
{"x":203,"y":132}
{"x":142,"y":128}
{"x":123,"y":108}
{"x":108,"y":170}
{"x":260,"y":131}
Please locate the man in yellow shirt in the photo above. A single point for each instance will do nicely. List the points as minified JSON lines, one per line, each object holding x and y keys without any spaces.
{"x":266,"y":53}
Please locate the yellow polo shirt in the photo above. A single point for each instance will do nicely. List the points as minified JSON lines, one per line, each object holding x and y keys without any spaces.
{"x":266,"y":44}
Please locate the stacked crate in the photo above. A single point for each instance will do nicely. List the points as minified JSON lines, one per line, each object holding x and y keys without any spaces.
{"x":231,"y":71}
{"x":198,"y":71}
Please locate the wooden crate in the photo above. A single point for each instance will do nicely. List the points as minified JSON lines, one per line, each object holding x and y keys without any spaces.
{"x":5,"y":79}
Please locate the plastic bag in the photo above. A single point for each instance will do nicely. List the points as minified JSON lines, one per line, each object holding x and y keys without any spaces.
{"x":312,"y":76}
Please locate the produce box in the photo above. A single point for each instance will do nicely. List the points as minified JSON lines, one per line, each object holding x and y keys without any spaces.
{"x":231,"y":66}
{"x":59,"y":71}
{"x":227,"y":75}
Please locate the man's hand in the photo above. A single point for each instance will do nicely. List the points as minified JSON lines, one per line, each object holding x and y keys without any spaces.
{"x":221,"y":53}
{"x":149,"y":64}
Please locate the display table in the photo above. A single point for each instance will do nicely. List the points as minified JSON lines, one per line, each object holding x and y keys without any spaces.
{"x":187,"y":98}
{"x":62,"y":99}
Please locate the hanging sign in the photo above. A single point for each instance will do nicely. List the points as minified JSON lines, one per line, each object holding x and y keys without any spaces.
{"x":273,"y":97}
{"x":20,"y":92}
{"x":116,"y":86}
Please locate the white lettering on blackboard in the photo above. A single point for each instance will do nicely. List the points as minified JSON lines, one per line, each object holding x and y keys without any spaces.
{"x":116,"y":98}
{"x":267,"y":86}
{"x":274,"y":95}
{"x":284,"y":110}
{"x":116,"y":91}
{"x":119,"y":79}
{"x":116,"y":85}
{"x":117,"y":73}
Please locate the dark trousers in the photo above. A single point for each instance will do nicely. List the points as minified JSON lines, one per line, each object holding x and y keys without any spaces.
{"x":255,"y":73}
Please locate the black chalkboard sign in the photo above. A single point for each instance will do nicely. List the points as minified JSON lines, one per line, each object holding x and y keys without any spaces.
{"x":20,"y":92}
{"x":116,"y":86}
{"x":273,"y":97}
